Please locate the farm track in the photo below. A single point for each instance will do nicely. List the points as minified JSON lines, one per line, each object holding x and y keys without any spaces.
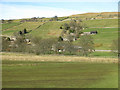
{"x":56,"y":58}
{"x":103,"y":27}
{"x":40,"y":26}
{"x":104,"y":51}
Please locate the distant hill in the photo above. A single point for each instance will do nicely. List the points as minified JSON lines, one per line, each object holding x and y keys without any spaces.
{"x":97,"y":15}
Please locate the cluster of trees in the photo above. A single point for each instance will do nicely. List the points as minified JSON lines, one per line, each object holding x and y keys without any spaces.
{"x":22,"y":32}
{"x":53,"y":46}
{"x":71,"y":31}
{"x":55,"y":18}
{"x":34,"y":19}
{"x":6,"y":21}
{"x":5,"y":44}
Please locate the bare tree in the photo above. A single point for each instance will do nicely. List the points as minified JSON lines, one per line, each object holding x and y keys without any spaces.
{"x":86,"y":42}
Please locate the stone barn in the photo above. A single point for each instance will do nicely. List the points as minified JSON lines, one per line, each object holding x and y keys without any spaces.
{"x":93,"y":32}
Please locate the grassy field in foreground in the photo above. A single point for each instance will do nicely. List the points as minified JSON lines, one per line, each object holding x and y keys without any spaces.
{"x":36,"y":74}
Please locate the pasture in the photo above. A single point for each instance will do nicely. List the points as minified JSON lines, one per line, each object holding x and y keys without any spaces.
{"x":52,"y":29}
{"x":104,"y":38}
{"x":46,"y":71}
{"x":28,"y":25}
{"x":48,"y":30}
{"x":9,"y":25}
{"x":102,"y":23}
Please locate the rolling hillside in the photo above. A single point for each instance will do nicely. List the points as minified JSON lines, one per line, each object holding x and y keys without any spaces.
{"x":106,"y":27}
{"x":96,"y":15}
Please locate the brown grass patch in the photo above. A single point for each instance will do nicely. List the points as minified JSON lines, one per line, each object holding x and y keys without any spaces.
{"x":55,"y":58}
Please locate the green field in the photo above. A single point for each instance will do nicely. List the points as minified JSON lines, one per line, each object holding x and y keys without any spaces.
{"x":102,"y":23}
{"x":49,"y":29}
{"x":28,"y":25}
{"x":9,"y":25}
{"x":103,"y":54}
{"x":104,"y":37}
{"x":53,"y":27}
{"x":35,"y":74}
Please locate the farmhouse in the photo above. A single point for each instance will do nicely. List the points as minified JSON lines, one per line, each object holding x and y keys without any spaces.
{"x":58,"y":49}
{"x":86,"y":33}
{"x":89,"y":33}
{"x":93,"y":32}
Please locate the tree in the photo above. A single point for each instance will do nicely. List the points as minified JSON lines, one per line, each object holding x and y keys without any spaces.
{"x":72,"y":30}
{"x":69,"y":48}
{"x":3,"y":20}
{"x":60,"y":38}
{"x":20,"y":33}
{"x":114,"y":47}
{"x":55,"y":18}
{"x":9,"y":21}
{"x":86,"y":42}
{"x":43,"y":46}
{"x":24,"y":31}
{"x":46,"y":45}
{"x":5,"y":44}
{"x":20,"y":44}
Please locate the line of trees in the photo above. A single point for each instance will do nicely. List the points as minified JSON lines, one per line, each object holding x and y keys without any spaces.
{"x":49,"y":46}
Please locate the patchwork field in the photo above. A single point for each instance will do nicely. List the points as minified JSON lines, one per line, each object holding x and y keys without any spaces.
{"x":28,"y":25}
{"x":49,"y":72}
{"x":9,"y":25}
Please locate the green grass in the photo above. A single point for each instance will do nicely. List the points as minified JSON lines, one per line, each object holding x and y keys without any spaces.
{"x":28,"y":74}
{"x":27,"y":25}
{"x":103,"y":54}
{"x":102,"y":23}
{"x":9,"y":25}
{"x":49,"y":29}
{"x":8,"y":32}
{"x":104,"y":38}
